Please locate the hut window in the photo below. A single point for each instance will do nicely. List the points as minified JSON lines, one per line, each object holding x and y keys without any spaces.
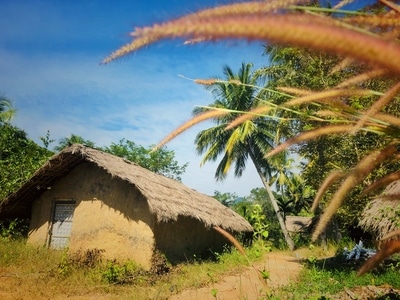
{"x":61,"y":224}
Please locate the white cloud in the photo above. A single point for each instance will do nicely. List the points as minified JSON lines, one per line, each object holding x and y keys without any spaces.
{"x":56,"y":83}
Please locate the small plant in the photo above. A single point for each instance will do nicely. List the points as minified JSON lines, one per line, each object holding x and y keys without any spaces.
{"x":14,"y":229}
{"x":258,"y":220}
{"x":64,"y":267}
{"x":214,"y":293}
{"x":117,"y":273}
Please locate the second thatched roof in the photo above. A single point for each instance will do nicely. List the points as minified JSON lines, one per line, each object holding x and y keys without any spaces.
{"x":382,"y":215}
{"x":167,"y":198}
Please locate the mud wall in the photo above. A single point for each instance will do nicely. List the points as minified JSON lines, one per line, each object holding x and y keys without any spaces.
{"x":110,"y":214}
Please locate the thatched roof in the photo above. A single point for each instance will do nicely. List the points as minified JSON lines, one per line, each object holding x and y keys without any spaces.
{"x":382,"y":215}
{"x":167,"y":198}
{"x":297,"y":223}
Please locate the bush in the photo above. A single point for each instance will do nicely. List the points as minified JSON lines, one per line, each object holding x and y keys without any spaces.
{"x":14,"y":229}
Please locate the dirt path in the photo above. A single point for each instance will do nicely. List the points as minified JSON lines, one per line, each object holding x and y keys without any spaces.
{"x":248,"y":285}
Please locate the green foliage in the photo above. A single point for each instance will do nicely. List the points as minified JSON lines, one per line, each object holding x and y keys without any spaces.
{"x":161,"y":161}
{"x":14,"y":229}
{"x":121,"y":273}
{"x":310,"y":70}
{"x":46,"y":140}
{"x":259,"y":196}
{"x":20,"y":157}
{"x":6,"y":110}
{"x":227,"y":199}
{"x":64,"y":267}
{"x":257,"y":219}
{"x":69,"y":141}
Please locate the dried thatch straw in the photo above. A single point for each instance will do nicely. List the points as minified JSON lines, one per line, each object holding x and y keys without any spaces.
{"x":382,"y":215}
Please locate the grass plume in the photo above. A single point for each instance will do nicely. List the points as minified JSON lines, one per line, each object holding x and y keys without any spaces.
{"x":211,"y":114}
{"x":310,"y":135}
{"x":332,"y":177}
{"x":257,"y":21}
{"x":384,"y":181}
{"x":361,"y":170}
{"x":387,"y":249}
{"x":378,"y":105}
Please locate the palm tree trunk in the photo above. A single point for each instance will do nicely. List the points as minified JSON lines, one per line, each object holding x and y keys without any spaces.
{"x":281,"y":220}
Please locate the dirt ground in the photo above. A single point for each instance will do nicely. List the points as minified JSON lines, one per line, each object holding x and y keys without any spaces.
{"x":282,"y":269}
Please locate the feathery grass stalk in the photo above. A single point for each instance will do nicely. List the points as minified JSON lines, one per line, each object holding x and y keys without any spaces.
{"x":361,"y":78}
{"x":394,"y":233}
{"x":248,"y":116}
{"x":387,"y":249}
{"x":206,"y":81}
{"x":211,"y":13}
{"x":294,"y":91}
{"x":361,"y":170}
{"x":391,"y":5}
{"x":327,"y":10}
{"x":325,"y":96}
{"x":214,"y":113}
{"x":388,"y":119}
{"x":310,"y":135}
{"x":294,"y":29}
{"x":342,"y":3}
{"x":239,"y":247}
{"x":230,"y":238}
{"x":377,"y":106}
{"x":332,"y":177}
{"x":384,"y":181}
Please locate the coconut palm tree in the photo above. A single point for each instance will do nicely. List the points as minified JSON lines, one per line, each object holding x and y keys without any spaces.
{"x":6,"y":110}
{"x":251,"y":139}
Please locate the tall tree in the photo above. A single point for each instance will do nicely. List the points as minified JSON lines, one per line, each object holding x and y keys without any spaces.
{"x":73,"y":139}
{"x":6,"y":110}
{"x":309,"y":71}
{"x":162,"y":161}
{"x":252,"y":139}
{"x":20,"y":157}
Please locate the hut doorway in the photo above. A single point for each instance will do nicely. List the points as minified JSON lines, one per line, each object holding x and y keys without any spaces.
{"x":61,"y":224}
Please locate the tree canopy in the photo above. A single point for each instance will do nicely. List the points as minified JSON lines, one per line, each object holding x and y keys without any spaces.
{"x":162,"y":161}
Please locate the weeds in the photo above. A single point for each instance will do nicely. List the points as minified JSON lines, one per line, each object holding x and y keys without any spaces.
{"x":44,"y":273}
{"x":14,"y":229}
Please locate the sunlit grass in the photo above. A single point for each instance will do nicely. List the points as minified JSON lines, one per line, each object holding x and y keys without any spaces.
{"x":42,"y":273}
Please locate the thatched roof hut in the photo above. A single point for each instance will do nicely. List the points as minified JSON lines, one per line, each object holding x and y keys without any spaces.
{"x":93,"y":199}
{"x":296,"y":224}
{"x":382,"y":215}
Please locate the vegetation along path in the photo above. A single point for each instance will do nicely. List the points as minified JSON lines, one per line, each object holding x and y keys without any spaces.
{"x":282,"y":269}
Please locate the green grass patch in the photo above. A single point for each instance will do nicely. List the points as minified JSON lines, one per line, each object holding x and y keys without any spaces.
{"x":325,"y":277}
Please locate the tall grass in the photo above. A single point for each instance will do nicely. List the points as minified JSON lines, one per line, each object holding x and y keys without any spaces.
{"x":29,"y":272}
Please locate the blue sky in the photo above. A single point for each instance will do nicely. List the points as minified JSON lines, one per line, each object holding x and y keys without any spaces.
{"x":50,"y":52}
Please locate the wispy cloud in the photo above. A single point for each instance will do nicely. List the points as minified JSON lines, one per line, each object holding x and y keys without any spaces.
{"x":140,"y":98}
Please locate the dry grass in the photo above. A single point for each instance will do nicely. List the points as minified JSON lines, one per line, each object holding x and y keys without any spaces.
{"x":29,"y":272}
